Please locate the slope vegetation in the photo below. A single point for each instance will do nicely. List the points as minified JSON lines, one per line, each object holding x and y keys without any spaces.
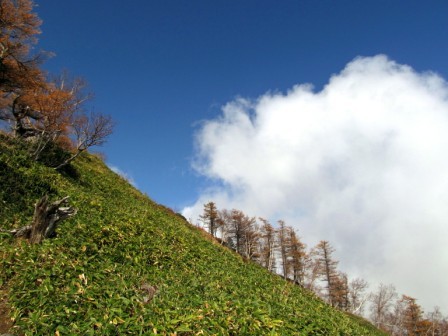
{"x":126,"y":265}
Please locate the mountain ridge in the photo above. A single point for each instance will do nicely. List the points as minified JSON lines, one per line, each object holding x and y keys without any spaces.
{"x":126,"y":265}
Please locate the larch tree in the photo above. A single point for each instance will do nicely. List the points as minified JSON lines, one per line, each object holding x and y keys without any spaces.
{"x":45,"y":112}
{"x":312,"y":273}
{"x":296,"y":257}
{"x":55,"y":108}
{"x":251,"y":238}
{"x":267,"y":245}
{"x":327,"y":268}
{"x":283,"y":246}
{"x":210,"y":217}
{"x":238,"y":225}
{"x":341,"y":292}
{"x":19,"y":68}
{"x":19,"y":28}
{"x":413,"y":323}
{"x":406,"y":318}
{"x":223,"y":228}
{"x":227,"y":236}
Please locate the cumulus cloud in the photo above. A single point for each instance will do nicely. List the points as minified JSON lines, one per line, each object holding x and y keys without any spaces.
{"x":362,"y":163}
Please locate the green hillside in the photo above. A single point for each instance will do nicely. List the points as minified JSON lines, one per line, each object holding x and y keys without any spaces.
{"x":98,"y":275}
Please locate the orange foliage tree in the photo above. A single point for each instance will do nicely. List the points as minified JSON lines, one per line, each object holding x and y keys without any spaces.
{"x":267,"y":245}
{"x":327,"y":269}
{"x":210,"y":217}
{"x":19,"y":71}
{"x":38,"y":109}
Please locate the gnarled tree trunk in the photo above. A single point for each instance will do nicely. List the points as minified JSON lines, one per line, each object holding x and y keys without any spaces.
{"x":46,"y":218}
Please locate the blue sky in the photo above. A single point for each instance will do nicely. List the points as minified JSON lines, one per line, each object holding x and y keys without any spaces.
{"x":360,"y":160}
{"x":161,"y":67}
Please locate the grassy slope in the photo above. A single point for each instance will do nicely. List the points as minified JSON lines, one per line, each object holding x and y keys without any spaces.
{"x":87,"y":280}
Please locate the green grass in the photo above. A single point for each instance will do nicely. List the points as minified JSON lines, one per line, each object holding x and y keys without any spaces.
{"x":87,"y":280}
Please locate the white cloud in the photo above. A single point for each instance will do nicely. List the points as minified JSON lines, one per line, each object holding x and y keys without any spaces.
{"x":362,"y":163}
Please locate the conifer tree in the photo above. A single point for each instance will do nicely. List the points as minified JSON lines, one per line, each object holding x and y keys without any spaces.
{"x":210,"y":217}
{"x":267,"y":245}
{"x":283,"y":245}
{"x":240,"y":231}
{"x":45,"y":112}
{"x":413,"y":323}
{"x":20,"y":74}
{"x":340,"y":291}
{"x":251,"y":236}
{"x":296,"y":257}
{"x":327,"y":268}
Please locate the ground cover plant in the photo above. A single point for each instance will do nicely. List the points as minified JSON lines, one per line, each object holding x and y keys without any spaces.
{"x":125,"y":265}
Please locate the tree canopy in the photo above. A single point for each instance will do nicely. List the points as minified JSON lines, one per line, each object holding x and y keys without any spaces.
{"x":46,"y":110}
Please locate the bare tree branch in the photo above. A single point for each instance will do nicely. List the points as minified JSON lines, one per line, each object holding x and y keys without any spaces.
{"x":89,"y":131}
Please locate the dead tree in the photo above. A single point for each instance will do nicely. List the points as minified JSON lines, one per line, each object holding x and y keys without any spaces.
{"x":46,"y":218}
